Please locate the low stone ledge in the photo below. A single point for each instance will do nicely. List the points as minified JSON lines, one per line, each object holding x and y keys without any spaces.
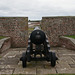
{"x":5,"y":44}
{"x":67,"y":42}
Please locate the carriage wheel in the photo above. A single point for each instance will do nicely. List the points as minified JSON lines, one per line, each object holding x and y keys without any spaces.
{"x":53,"y":59}
{"x":24,"y":64}
{"x":24,"y":60}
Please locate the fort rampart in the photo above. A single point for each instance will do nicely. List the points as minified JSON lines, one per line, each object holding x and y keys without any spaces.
{"x":55,"y":27}
{"x":16,"y":28}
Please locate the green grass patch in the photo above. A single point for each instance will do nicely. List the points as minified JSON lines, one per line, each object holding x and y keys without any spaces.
{"x":1,"y":37}
{"x":60,"y":74}
{"x":0,"y":56}
{"x":31,"y":29}
{"x":45,"y":74}
{"x":71,"y":36}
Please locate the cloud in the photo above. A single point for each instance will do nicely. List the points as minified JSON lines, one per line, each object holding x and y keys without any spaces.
{"x":36,"y":9}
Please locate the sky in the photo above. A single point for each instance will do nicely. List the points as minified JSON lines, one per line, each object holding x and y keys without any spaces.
{"x":36,"y":9}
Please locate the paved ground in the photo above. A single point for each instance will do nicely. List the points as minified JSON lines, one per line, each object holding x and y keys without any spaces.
{"x":10,"y":63}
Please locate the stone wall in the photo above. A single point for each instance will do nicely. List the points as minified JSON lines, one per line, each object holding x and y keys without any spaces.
{"x":5,"y":44}
{"x":16,"y":28}
{"x":67,"y":42}
{"x":55,"y":27}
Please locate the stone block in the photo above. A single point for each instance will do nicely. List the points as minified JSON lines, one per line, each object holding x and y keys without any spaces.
{"x":46,"y":71}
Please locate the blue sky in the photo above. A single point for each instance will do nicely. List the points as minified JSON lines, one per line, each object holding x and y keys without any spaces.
{"x":36,"y":9}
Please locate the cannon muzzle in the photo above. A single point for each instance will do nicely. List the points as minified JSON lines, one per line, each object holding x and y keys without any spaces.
{"x":37,"y":36}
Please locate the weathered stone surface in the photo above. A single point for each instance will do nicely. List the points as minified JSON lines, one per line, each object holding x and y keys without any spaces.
{"x":1,"y":62}
{"x":6,"y":71}
{"x":66,"y":71}
{"x":12,"y":53}
{"x":73,"y":57}
{"x":63,"y":64}
{"x":5,"y":44}
{"x":46,"y":71}
{"x":10,"y":63}
{"x":58,"y":26}
{"x":2,"y":66}
{"x":16,"y":28}
{"x":72,"y":65}
{"x":67,"y":42}
{"x":11,"y":66}
{"x":25,"y":71}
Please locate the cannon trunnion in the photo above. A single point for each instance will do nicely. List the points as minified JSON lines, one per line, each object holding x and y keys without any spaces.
{"x":38,"y":49}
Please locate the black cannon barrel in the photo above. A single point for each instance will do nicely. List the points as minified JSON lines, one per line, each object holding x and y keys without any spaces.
{"x":37,"y":37}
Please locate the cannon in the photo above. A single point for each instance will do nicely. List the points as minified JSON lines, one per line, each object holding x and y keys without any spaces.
{"x":38,"y":49}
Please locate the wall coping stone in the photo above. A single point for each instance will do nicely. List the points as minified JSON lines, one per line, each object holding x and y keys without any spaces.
{"x":58,"y":17}
{"x":2,"y":41}
{"x":71,"y":39}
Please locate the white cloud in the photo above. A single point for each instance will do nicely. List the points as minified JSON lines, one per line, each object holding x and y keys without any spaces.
{"x":36,"y":9}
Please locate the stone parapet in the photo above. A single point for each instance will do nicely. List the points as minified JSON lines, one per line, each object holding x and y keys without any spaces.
{"x":55,"y":27}
{"x":5,"y":44}
{"x":67,"y":42}
{"x":16,"y":28}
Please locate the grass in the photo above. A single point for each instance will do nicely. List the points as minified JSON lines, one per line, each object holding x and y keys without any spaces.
{"x":71,"y":36}
{"x":0,"y":56}
{"x":61,"y":74}
{"x":45,"y":74}
{"x":31,"y":29}
{"x":1,"y":37}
